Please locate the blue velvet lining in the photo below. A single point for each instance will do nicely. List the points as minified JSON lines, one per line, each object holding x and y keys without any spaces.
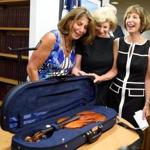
{"x":32,"y":102}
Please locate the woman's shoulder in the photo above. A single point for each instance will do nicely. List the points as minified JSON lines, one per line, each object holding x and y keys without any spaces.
{"x":48,"y":40}
{"x":50,"y":35}
{"x":119,"y":40}
{"x":55,"y":32}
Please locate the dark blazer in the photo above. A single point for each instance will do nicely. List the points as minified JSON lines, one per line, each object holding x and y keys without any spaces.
{"x":118,"y":32}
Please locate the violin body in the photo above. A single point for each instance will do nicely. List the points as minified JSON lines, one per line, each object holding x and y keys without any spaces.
{"x":86,"y":117}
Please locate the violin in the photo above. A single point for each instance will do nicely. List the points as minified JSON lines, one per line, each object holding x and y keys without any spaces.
{"x":85,"y":118}
{"x":77,"y":121}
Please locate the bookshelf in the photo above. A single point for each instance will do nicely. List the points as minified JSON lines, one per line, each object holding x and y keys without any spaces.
{"x":8,"y":81}
{"x":12,"y":56}
{"x":14,"y":33}
{"x":13,"y":29}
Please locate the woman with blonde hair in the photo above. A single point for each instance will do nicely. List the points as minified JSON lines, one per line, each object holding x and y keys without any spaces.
{"x":98,"y":57}
{"x":130,"y":90}
{"x":118,"y":31}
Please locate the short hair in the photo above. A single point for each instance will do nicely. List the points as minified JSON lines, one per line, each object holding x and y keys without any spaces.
{"x":74,"y":15}
{"x":102,"y":15}
{"x":143,"y":14}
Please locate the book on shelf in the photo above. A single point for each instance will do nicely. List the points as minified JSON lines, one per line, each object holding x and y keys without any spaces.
{"x":14,"y":16}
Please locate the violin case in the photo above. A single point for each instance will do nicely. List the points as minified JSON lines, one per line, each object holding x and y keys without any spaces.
{"x":32,"y":106}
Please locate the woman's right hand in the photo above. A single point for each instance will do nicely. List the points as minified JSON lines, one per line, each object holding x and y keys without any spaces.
{"x":78,"y":72}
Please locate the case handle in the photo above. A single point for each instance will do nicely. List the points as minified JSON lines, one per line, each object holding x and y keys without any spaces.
{"x":93,"y":134}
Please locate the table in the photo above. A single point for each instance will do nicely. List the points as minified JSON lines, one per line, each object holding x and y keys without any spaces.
{"x":113,"y":139}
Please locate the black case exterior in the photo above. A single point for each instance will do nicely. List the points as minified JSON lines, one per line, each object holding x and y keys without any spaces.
{"x":31,"y":106}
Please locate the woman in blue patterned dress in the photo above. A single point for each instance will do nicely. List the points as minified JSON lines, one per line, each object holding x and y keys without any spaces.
{"x":55,"y":54}
{"x":130,"y":90}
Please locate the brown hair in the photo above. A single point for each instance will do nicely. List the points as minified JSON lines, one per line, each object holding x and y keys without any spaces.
{"x":75,"y":15}
{"x":143,"y":14}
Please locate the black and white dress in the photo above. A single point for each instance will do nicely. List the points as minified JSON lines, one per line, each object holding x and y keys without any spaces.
{"x":127,"y":91}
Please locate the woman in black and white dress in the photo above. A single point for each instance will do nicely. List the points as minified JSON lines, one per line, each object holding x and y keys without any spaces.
{"x":130,"y":90}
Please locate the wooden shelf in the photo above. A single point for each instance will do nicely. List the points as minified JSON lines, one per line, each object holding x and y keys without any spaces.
{"x":8,"y":81}
{"x":12,"y":56}
{"x":13,"y":29}
{"x":12,"y":1}
{"x":1,"y":102}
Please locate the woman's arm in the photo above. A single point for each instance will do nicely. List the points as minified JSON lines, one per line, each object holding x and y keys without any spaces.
{"x":146,"y":108}
{"x":39,"y":56}
{"x":113,"y":71}
{"x":77,"y":68}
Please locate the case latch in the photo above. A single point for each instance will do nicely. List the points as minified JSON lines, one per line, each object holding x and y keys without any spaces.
{"x":93,"y":134}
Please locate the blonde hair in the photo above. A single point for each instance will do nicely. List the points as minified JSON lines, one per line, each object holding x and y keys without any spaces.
{"x":74,"y":15}
{"x":103,"y":14}
{"x":112,"y":8}
{"x":143,"y":14}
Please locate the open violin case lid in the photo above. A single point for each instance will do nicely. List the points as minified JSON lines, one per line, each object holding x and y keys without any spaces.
{"x":36,"y":106}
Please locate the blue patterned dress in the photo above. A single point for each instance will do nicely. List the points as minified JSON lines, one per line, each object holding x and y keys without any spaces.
{"x":57,"y":64}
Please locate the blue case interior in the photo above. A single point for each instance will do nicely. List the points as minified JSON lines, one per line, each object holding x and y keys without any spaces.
{"x":31,"y":106}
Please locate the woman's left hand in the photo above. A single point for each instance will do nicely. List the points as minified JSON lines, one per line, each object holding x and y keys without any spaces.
{"x":146,"y":111}
{"x":96,"y":77}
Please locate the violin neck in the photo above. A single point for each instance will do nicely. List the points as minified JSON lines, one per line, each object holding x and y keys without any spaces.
{"x":60,"y":125}
{"x":48,"y":130}
{"x":71,"y":119}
